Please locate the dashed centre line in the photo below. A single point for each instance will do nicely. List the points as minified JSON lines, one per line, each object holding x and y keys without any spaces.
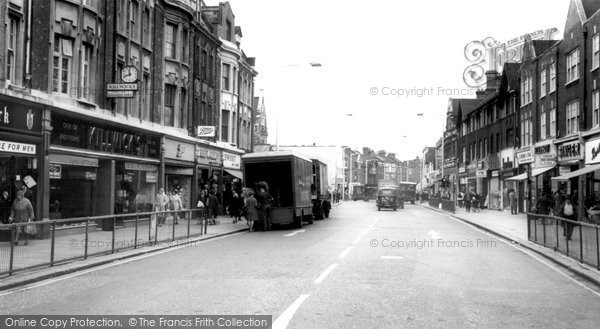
{"x":326,"y":273}
{"x":345,"y":253}
{"x":284,"y":319}
{"x":357,"y":239}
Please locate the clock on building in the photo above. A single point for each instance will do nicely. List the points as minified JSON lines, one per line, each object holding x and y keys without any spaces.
{"x":129,"y":74}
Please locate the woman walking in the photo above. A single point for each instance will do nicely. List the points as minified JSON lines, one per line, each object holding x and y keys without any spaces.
{"x":251,"y":210}
{"x":21,"y":212}
{"x":235,"y":208}
{"x":161,"y":203}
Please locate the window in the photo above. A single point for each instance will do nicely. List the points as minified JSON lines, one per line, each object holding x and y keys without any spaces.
{"x":225,"y":126}
{"x":543,"y":125}
{"x":84,"y":71}
{"x":498,"y":142}
{"x":572,"y":117}
{"x":228,"y":30}
{"x":61,"y":65}
{"x":170,"y":40}
{"x":573,"y":66}
{"x":596,"y":108}
{"x":552,"y":120}
{"x":184,"y":46}
{"x":170,"y":91}
{"x":148,"y":97}
{"x":122,"y":16}
{"x":552,"y":77}
{"x":543,"y":83}
{"x":509,"y":138}
{"x":234,"y":78}
{"x":226,"y":73}
{"x":596,"y":51}
{"x":526,"y":90}
{"x":147,"y":28}
{"x":134,"y":20}
{"x":526,"y":129}
{"x":182,"y":107}
{"x":12,"y":48}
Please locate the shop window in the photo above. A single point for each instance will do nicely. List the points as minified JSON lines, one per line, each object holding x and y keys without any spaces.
{"x":72,"y":191}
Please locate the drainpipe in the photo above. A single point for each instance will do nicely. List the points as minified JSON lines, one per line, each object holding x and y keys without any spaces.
{"x":28,"y":44}
{"x":582,"y":120}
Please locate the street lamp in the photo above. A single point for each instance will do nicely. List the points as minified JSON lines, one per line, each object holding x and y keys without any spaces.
{"x":312,"y":64}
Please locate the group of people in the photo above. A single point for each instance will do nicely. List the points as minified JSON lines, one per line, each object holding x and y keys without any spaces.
{"x":19,"y":210}
{"x":165,"y":202}
{"x":471,"y":200}
{"x":559,"y":205}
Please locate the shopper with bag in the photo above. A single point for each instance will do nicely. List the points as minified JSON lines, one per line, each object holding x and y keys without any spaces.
{"x":22,"y":212}
{"x":569,"y":212}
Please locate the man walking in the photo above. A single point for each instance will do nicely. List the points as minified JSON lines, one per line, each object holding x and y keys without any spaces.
{"x":512,"y":196}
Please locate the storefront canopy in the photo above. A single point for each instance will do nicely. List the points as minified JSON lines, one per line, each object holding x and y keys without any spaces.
{"x":579,"y":172}
{"x":534,"y":172}
{"x":235,"y":173}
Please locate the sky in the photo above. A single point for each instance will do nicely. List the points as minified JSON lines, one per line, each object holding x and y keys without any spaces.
{"x":382,"y":63}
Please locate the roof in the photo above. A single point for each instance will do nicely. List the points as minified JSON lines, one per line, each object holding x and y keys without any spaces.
{"x":468,"y":105}
{"x":540,"y":46}
{"x":510,"y":74}
{"x":262,"y":147}
{"x":274,"y":154}
{"x":590,"y":7}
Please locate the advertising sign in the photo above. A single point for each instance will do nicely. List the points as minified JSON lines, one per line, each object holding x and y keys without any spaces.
{"x":570,"y":151}
{"x":232,"y":161}
{"x":525,"y":156}
{"x":55,"y":171}
{"x":592,"y":151}
{"x":207,"y":131}
{"x":15,"y":147}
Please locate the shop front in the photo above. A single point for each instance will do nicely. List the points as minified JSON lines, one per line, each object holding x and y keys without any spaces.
{"x":524,"y":158}
{"x":569,"y":155}
{"x":494,"y":195}
{"x":462,"y":178}
{"x":209,"y":164}
{"x":507,"y":172}
{"x":179,"y":169}
{"x":232,"y":176}
{"x":543,"y":169}
{"x":100,"y":168}
{"x":472,"y":178}
{"x":21,"y":153}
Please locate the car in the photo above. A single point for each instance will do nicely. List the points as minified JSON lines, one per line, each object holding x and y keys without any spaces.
{"x":389,"y":197}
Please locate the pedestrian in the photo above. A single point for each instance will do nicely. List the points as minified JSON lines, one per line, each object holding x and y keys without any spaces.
{"x":569,"y":212}
{"x":468,"y":201}
{"x":326,"y":204}
{"x":557,"y":203}
{"x":543,"y":205}
{"x":5,"y":206}
{"x":263,"y":198}
{"x":176,"y":205}
{"x":21,"y":212}
{"x":213,"y":207}
{"x":237,"y":204}
{"x":251,"y":210}
{"x":512,"y":196}
{"x":161,"y":203}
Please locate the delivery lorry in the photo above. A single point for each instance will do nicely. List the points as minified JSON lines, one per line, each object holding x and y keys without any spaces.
{"x":289,"y":177}
{"x":318,"y":190}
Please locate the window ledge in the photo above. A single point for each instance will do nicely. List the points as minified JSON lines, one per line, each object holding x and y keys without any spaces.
{"x":571,"y":82}
{"x":86,"y":102}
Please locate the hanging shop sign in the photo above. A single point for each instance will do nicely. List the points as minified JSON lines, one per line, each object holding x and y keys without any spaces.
{"x":592,"y":151}
{"x":562,"y":170}
{"x":179,"y":150}
{"x":90,"y":136}
{"x":481,"y":173}
{"x":462,"y":169}
{"x":232,"y":161}
{"x":55,"y":171}
{"x":20,"y":117}
{"x":570,"y":151}
{"x":495,"y":173}
{"x":525,"y":156}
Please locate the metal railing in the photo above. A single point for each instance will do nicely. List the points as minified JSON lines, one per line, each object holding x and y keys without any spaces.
{"x":52,"y":242}
{"x":576,"y":239}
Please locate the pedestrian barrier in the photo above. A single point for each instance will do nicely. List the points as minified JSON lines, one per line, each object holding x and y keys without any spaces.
{"x":578,"y":240}
{"x":447,"y":205}
{"x":47,"y":243}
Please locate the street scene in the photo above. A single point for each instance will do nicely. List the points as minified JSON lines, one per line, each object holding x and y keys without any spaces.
{"x":259,"y":164}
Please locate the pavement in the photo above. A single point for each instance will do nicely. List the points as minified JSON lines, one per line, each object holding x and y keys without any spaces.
{"x":31,"y":262}
{"x":514,"y":229}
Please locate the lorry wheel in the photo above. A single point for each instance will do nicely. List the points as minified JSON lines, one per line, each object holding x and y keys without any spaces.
{"x":311,"y":219}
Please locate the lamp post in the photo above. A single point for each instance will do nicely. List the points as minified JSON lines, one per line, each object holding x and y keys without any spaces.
{"x":312,"y":65}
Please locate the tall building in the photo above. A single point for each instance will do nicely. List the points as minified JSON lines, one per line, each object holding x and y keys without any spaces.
{"x":260,"y":120}
{"x":103,"y":102}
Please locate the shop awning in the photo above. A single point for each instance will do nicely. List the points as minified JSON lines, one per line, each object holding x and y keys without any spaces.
{"x":235,"y":173}
{"x":539,"y":171}
{"x":520,"y":177}
{"x":579,"y":172}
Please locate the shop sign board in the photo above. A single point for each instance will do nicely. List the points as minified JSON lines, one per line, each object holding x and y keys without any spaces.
{"x":562,"y":170}
{"x":16,"y":147}
{"x":55,"y":171}
{"x":179,"y":150}
{"x":495,"y":173}
{"x":207,"y":131}
{"x":592,"y":151}
{"x":91,"y":136}
{"x":525,"y":156}
{"x":232,"y":161}
{"x":151,"y":177}
{"x":20,"y":117}
{"x":481,"y":173}
{"x":206,"y":156}
{"x":570,"y":151}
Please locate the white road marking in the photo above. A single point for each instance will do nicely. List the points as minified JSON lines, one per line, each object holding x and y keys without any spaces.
{"x":391,"y":257}
{"x":345,"y":253}
{"x":357,"y":239}
{"x":326,"y":273}
{"x":364,"y":232}
{"x":529,"y":253}
{"x":115,"y":263}
{"x":295,"y":232}
{"x":434,"y":235}
{"x":284,"y":319}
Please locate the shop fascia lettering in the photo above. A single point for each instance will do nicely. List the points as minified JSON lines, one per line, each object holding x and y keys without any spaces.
{"x":204,"y":153}
{"x":570,"y":151}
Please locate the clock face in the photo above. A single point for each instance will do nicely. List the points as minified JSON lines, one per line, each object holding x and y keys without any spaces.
{"x":129,"y":74}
